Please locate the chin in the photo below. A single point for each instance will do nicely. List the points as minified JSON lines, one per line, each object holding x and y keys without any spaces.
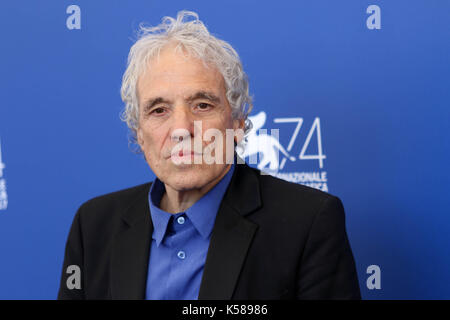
{"x":183,"y":177}
{"x":186,"y":183}
{"x":190,"y":178}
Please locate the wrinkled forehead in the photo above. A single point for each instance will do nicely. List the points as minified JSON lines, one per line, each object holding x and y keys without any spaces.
{"x":177,"y":72}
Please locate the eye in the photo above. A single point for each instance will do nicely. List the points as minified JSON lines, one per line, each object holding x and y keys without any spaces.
{"x":203,"y":106}
{"x":158,"y":111}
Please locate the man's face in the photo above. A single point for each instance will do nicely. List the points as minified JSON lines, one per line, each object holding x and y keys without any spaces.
{"x":176,"y":91}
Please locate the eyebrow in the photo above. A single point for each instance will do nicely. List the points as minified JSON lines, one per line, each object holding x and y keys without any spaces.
{"x":149,"y":103}
{"x":204,"y":95}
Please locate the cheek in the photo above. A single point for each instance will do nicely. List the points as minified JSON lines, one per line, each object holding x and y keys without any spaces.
{"x":153,"y":141}
{"x":222,"y":127}
{"x":222,"y":122}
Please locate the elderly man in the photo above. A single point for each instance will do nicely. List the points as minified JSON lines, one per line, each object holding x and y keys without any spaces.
{"x":207,"y":227}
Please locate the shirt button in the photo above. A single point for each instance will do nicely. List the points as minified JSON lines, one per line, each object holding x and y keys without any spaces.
{"x":181,"y":254}
{"x":180,"y":220}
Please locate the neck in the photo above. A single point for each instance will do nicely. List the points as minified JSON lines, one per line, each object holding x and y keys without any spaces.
{"x":174,"y":201}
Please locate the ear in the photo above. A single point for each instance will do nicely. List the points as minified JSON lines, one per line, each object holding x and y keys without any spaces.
{"x":140,"y":137}
{"x":238,"y":126}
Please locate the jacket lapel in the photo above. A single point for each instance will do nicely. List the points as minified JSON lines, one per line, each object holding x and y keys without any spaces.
{"x":231,"y":236}
{"x":230,"y":240}
{"x":130,"y":251}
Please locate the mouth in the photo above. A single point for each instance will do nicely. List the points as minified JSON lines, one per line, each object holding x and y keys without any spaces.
{"x":184,"y":154}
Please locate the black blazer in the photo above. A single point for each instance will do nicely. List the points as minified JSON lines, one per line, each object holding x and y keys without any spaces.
{"x":272,"y":239}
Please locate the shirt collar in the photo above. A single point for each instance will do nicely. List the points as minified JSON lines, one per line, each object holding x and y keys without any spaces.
{"x":202,"y":214}
{"x":160,"y":218}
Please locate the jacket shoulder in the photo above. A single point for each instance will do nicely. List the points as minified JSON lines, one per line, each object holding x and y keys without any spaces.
{"x":108,"y":206}
{"x":120,"y":195}
{"x":295,"y":202}
{"x":282,"y":188}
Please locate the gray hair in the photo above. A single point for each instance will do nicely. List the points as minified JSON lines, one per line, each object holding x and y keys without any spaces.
{"x":194,"y":37}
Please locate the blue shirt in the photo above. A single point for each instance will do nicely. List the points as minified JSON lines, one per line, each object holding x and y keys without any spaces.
{"x":180,"y":243}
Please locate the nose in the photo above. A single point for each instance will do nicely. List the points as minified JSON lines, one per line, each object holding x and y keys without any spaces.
{"x":182,"y":126}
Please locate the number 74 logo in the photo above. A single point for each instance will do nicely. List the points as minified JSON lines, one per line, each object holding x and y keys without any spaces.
{"x":268,"y":146}
{"x":314,"y":128}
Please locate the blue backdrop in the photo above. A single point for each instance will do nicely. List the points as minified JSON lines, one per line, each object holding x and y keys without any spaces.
{"x":368,"y":85}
